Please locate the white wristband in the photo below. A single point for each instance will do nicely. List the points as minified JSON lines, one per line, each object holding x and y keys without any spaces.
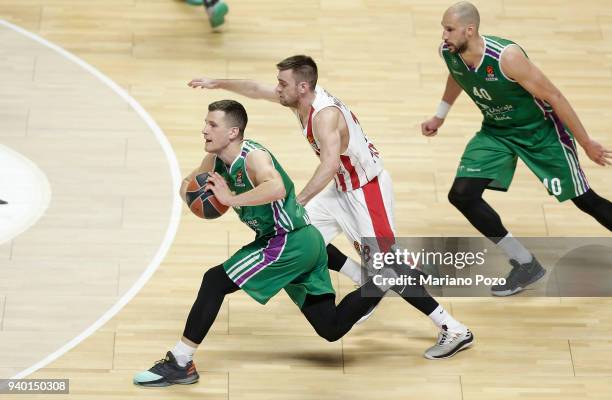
{"x":443,"y":109}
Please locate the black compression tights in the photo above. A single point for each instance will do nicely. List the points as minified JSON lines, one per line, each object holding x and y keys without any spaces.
{"x":215,"y":285}
{"x":596,"y":206}
{"x":417,"y":296}
{"x":466,"y":195}
{"x":331,"y":322}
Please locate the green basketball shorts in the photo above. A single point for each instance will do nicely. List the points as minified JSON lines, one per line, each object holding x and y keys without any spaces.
{"x":294,"y":261}
{"x":549,"y":152}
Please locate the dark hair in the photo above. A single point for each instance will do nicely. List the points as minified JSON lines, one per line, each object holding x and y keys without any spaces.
{"x":234,"y":112}
{"x":304,"y":69}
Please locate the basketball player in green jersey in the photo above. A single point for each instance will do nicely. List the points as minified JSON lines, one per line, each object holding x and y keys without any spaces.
{"x":287,"y":253}
{"x":360,"y":203}
{"x":525,"y":116}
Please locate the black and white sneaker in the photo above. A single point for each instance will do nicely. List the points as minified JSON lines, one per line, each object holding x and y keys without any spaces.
{"x":449,"y":343}
{"x":3,"y":202}
{"x":521,"y":276}
{"x":167,"y":372}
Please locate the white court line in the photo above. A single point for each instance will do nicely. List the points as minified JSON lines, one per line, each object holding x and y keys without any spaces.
{"x":176,"y":205}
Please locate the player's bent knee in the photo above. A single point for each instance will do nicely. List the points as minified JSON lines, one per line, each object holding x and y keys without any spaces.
{"x":459,"y":199}
{"x":216,"y":279}
{"x":330,"y":335}
{"x":210,"y":277}
{"x":327,"y":330}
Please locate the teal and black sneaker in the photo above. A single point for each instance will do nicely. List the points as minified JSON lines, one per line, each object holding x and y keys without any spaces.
{"x":167,"y":372}
{"x":195,"y":2}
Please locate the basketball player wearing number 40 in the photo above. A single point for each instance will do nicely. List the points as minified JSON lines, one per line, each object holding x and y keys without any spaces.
{"x":360,"y":202}
{"x":526,"y":117}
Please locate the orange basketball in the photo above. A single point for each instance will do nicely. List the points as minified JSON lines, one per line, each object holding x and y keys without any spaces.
{"x":203,"y":203}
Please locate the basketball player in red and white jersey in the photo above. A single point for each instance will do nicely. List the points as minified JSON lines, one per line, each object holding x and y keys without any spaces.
{"x":360,"y":203}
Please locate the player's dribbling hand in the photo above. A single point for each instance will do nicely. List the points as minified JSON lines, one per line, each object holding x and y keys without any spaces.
{"x":203,"y":83}
{"x":219,"y":187}
{"x":430,"y":127}
{"x":599,"y":154}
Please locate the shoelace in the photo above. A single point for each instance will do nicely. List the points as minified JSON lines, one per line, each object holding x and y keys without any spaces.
{"x":444,"y":335}
{"x":162,"y":361}
{"x":513,"y":276}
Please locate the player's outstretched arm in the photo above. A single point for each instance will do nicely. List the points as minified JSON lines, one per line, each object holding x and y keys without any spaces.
{"x":207,"y":165}
{"x":517,"y":66}
{"x":451,"y":92}
{"x":244,"y":87}
{"x":268,"y":183}
{"x":326,"y":128}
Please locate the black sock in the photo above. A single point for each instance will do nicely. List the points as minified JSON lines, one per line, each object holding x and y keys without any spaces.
{"x":416,"y":295}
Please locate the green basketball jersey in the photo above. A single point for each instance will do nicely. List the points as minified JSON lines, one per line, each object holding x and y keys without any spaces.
{"x":275,"y":218}
{"x":505,"y":105}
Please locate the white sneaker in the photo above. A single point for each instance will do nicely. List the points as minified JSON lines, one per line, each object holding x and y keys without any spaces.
{"x":449,"y":343}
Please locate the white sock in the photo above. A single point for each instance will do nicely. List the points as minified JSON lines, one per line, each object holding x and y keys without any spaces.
{"x":352,"y":270}
{"x":515,"y":250}
{"x":441,"y":318}
{"x":183,"y":353}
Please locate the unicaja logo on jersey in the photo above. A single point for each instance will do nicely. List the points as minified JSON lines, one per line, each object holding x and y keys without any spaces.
{"x":490,"y":74}
{"x":239,"y":181}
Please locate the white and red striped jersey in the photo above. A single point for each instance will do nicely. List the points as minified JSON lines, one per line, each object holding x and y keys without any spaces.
{"x":361,"y":162}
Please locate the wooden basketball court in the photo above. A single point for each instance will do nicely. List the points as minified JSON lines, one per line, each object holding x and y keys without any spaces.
{"x":381,"y":58}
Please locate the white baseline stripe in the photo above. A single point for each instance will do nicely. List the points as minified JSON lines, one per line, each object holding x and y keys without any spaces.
{"x":176,"y":204}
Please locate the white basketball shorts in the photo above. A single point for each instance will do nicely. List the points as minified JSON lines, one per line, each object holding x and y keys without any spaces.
{"x":363,"y":212}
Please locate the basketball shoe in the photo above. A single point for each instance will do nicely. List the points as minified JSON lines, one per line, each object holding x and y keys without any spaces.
{"x":216,"y":14}
{"x":167,"y":372}
{"x":449,"y":343}
{"x":521,"y":276}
